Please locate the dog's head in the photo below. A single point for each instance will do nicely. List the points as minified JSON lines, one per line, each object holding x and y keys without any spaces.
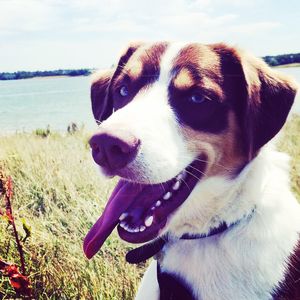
{"x":172,"y":115}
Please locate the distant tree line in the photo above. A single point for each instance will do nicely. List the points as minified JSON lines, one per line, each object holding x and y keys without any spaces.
{"x":282,"y":59}
{"x":25,"y":74}
{"x":275,"y":60}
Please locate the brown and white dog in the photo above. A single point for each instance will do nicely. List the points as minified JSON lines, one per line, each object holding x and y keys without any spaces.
{"x":187,"y":128}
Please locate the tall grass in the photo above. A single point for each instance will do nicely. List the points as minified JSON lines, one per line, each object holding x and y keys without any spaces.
{"x":59,"y":194}
{"x":290,"y":143}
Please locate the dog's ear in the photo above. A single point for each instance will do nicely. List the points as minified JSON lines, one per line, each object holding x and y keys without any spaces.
{"x":270,"y":98}
{"x":102,"y":102}
{"x":101,"y":107}
{"x":263,"y":97}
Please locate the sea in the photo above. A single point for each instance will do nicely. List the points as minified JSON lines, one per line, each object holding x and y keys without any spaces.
{"x":28,"y":104}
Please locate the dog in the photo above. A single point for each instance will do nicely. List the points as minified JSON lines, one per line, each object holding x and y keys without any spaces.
{"x":189,"y":129}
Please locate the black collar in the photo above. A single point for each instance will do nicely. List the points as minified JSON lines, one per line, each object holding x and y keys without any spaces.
{"x":150,"y":249}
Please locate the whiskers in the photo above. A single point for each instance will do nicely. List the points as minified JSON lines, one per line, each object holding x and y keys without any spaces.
{"x":186,"y":183}
{"x":162,"y":187}
{"x":196,"y":169}
{"x":227,"y":169}
{"x":217,"y":164}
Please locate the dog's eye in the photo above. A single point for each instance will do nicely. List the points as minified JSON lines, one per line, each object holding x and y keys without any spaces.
{"x":123,"y":91}
{"x":197,"y":99}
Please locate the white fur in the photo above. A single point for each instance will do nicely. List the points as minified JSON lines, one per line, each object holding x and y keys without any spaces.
{"x":249,"y":260}
{"x":149,"y":288}
{"x":149,"y":117}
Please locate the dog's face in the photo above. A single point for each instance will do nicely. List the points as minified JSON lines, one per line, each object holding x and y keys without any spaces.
{"x":172,"y":115}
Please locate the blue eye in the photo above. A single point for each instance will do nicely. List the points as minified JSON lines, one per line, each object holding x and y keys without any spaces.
{"x":197,"y":99}
{"x":124,"y":91}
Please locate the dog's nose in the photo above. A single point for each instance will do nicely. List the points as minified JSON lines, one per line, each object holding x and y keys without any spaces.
{"x":114,"y":150}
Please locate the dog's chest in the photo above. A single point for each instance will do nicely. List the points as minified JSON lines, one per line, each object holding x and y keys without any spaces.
{"x":211,"y":270}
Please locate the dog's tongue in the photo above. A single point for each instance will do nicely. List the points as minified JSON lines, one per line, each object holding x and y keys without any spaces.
{"x":123,"y":195}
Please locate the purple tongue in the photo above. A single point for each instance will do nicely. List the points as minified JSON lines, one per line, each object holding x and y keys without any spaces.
{"x":122,"y":197}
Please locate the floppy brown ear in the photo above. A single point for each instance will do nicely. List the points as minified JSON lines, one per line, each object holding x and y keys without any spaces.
{"x":102,"y":102}
{"x":260,"y":96}
{"x":270,"y":98}
{"x":101,"y":106}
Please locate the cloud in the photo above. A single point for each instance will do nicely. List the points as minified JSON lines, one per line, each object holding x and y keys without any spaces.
{"x":41,"y":33}
{"x":26,"y":16}
{"x":153,"y":18}
{"x":122,"y":25}
{"x":254,"y":28}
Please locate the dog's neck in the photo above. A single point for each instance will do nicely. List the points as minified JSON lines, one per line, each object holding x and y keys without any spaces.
{"x":257,"y":249}
{"x":221,"y":199}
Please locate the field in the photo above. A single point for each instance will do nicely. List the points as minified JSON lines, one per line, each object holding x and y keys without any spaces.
{"x":58,"y":194}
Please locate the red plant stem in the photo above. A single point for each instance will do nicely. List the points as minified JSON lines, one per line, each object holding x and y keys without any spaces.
{"x":8,"y":195}
{"x":20,"y":248}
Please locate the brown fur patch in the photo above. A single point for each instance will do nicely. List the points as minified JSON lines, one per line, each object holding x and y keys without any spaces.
{"x":145,"y":57}
{"x":261,"y":97}
{"x":204,"y":65}
{"x":224,"y":153}
{"x":183,"y":80}
{"x":126,"y":54}
{"x":139,"y":71}
{"x":135,"y":70}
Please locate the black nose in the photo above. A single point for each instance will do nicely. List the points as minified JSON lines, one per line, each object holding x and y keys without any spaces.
{"x":114,"y":150}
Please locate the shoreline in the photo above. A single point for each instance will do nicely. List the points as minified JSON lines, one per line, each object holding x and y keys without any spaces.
{"x":45,"y":74}
{"x":49,"y":77}
{"x":292,"y":65}
{"x":45,"y":77}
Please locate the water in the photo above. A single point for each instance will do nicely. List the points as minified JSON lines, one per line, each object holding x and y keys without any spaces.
{"x":35,"y":103}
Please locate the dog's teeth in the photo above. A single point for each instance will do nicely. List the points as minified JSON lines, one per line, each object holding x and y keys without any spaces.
{"x":148,"y":221}
{"x":176,"y":185}
{"x":167,"y":196}
{"x":136,"y":229}
{"x":122,"y":224}
{"x":129,"y":229}
{"x":181,"y":176}
{"x":158,"y":203}
{"x":123,"y":216}
{"x":142,"y":228}
{"x":153,"y":208}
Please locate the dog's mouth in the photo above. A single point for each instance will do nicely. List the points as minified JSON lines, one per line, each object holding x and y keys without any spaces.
{"x":141,"y":211}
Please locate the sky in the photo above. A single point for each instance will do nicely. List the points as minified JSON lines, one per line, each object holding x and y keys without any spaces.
{"x":71,"y":34}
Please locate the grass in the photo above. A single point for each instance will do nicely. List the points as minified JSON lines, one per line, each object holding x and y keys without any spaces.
{"x":290,"y":143}
{"x":58,"y":193}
